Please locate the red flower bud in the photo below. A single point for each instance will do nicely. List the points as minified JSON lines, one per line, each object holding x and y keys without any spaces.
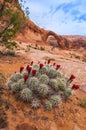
{"x":41,"y":65}
{"x":75,"y":86}
{"x":33,"y":72}
{"x":58,"y":66}
{"x":49,"y":61}
{"x":21,"y":69}
{"x":72,"y":77}
{"x":26,"y":77}
{"x":29,"y":69}
{"x":31,"y":63}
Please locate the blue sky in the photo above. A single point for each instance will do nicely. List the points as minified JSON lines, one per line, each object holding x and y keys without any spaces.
{"x":66,"y":17}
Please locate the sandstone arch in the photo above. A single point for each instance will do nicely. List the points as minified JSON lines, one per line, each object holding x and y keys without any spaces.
{"x":60,"y":39}
{"x":62,"y":42}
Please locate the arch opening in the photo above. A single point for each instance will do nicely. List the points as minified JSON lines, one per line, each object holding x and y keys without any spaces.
{"x":52,"y":41}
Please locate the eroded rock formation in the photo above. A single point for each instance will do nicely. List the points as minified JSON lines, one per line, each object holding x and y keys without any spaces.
{"x":61,"y":41}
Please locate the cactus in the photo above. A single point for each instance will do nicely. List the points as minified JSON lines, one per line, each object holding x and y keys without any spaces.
{"x":33,"y":83}
{"x":48,"y":105}
{"x":15,"y":87}
{"x":9,"y":84}
{"x":44,"y":79}
{"x":35,"y":103}
{"x":67,"y":94}
{"x":54,"y":84}
{"x":55,"y":99}
{"x":61,"y":84}
{"x":36,"y":67}
{"x":52,"y":73}
{"x":21,"y":84}
{"x":44,"y":70}
{"x":43,"y":90}
{"x":59,"y":74}
{"x":15,"y":77}
{"x":26,"y":94}
{"x":24,"y":73}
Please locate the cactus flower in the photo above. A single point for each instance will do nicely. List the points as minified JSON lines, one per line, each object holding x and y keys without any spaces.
{"x":29,"y":69}
{"x":33,"y":72}
{"x":21,"y":69}
{"x":49,"y":61}
{"x":58,"y":66}
{"x":26,"y":77}
{"x":75,"y":86}
{"x":31,"y":63}
{"x":72,"y":77}
{"x":41,"y":65}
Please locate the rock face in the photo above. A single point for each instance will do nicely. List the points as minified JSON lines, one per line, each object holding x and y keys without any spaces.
{"x":40,"y":35}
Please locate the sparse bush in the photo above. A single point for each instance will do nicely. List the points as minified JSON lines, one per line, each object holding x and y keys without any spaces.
{"x":83,"y":103}
{"x":42,"y":48}
{"x":10,"y":53}
{"x":27,"y":48}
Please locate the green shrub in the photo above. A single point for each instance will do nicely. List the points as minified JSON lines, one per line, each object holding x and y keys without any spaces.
{"x":83,"y":103}
{"x":42,"y":48}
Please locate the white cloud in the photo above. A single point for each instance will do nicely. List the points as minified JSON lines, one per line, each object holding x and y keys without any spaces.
{"x":62,"y":21}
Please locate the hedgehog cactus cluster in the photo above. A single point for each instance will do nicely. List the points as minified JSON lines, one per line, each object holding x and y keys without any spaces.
{"x":42,"y":84}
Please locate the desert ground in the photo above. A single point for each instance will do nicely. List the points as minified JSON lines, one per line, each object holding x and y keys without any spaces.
{"x":69,"y":115}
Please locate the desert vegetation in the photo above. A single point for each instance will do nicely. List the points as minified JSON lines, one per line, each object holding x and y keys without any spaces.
{"x":39,"y":84}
